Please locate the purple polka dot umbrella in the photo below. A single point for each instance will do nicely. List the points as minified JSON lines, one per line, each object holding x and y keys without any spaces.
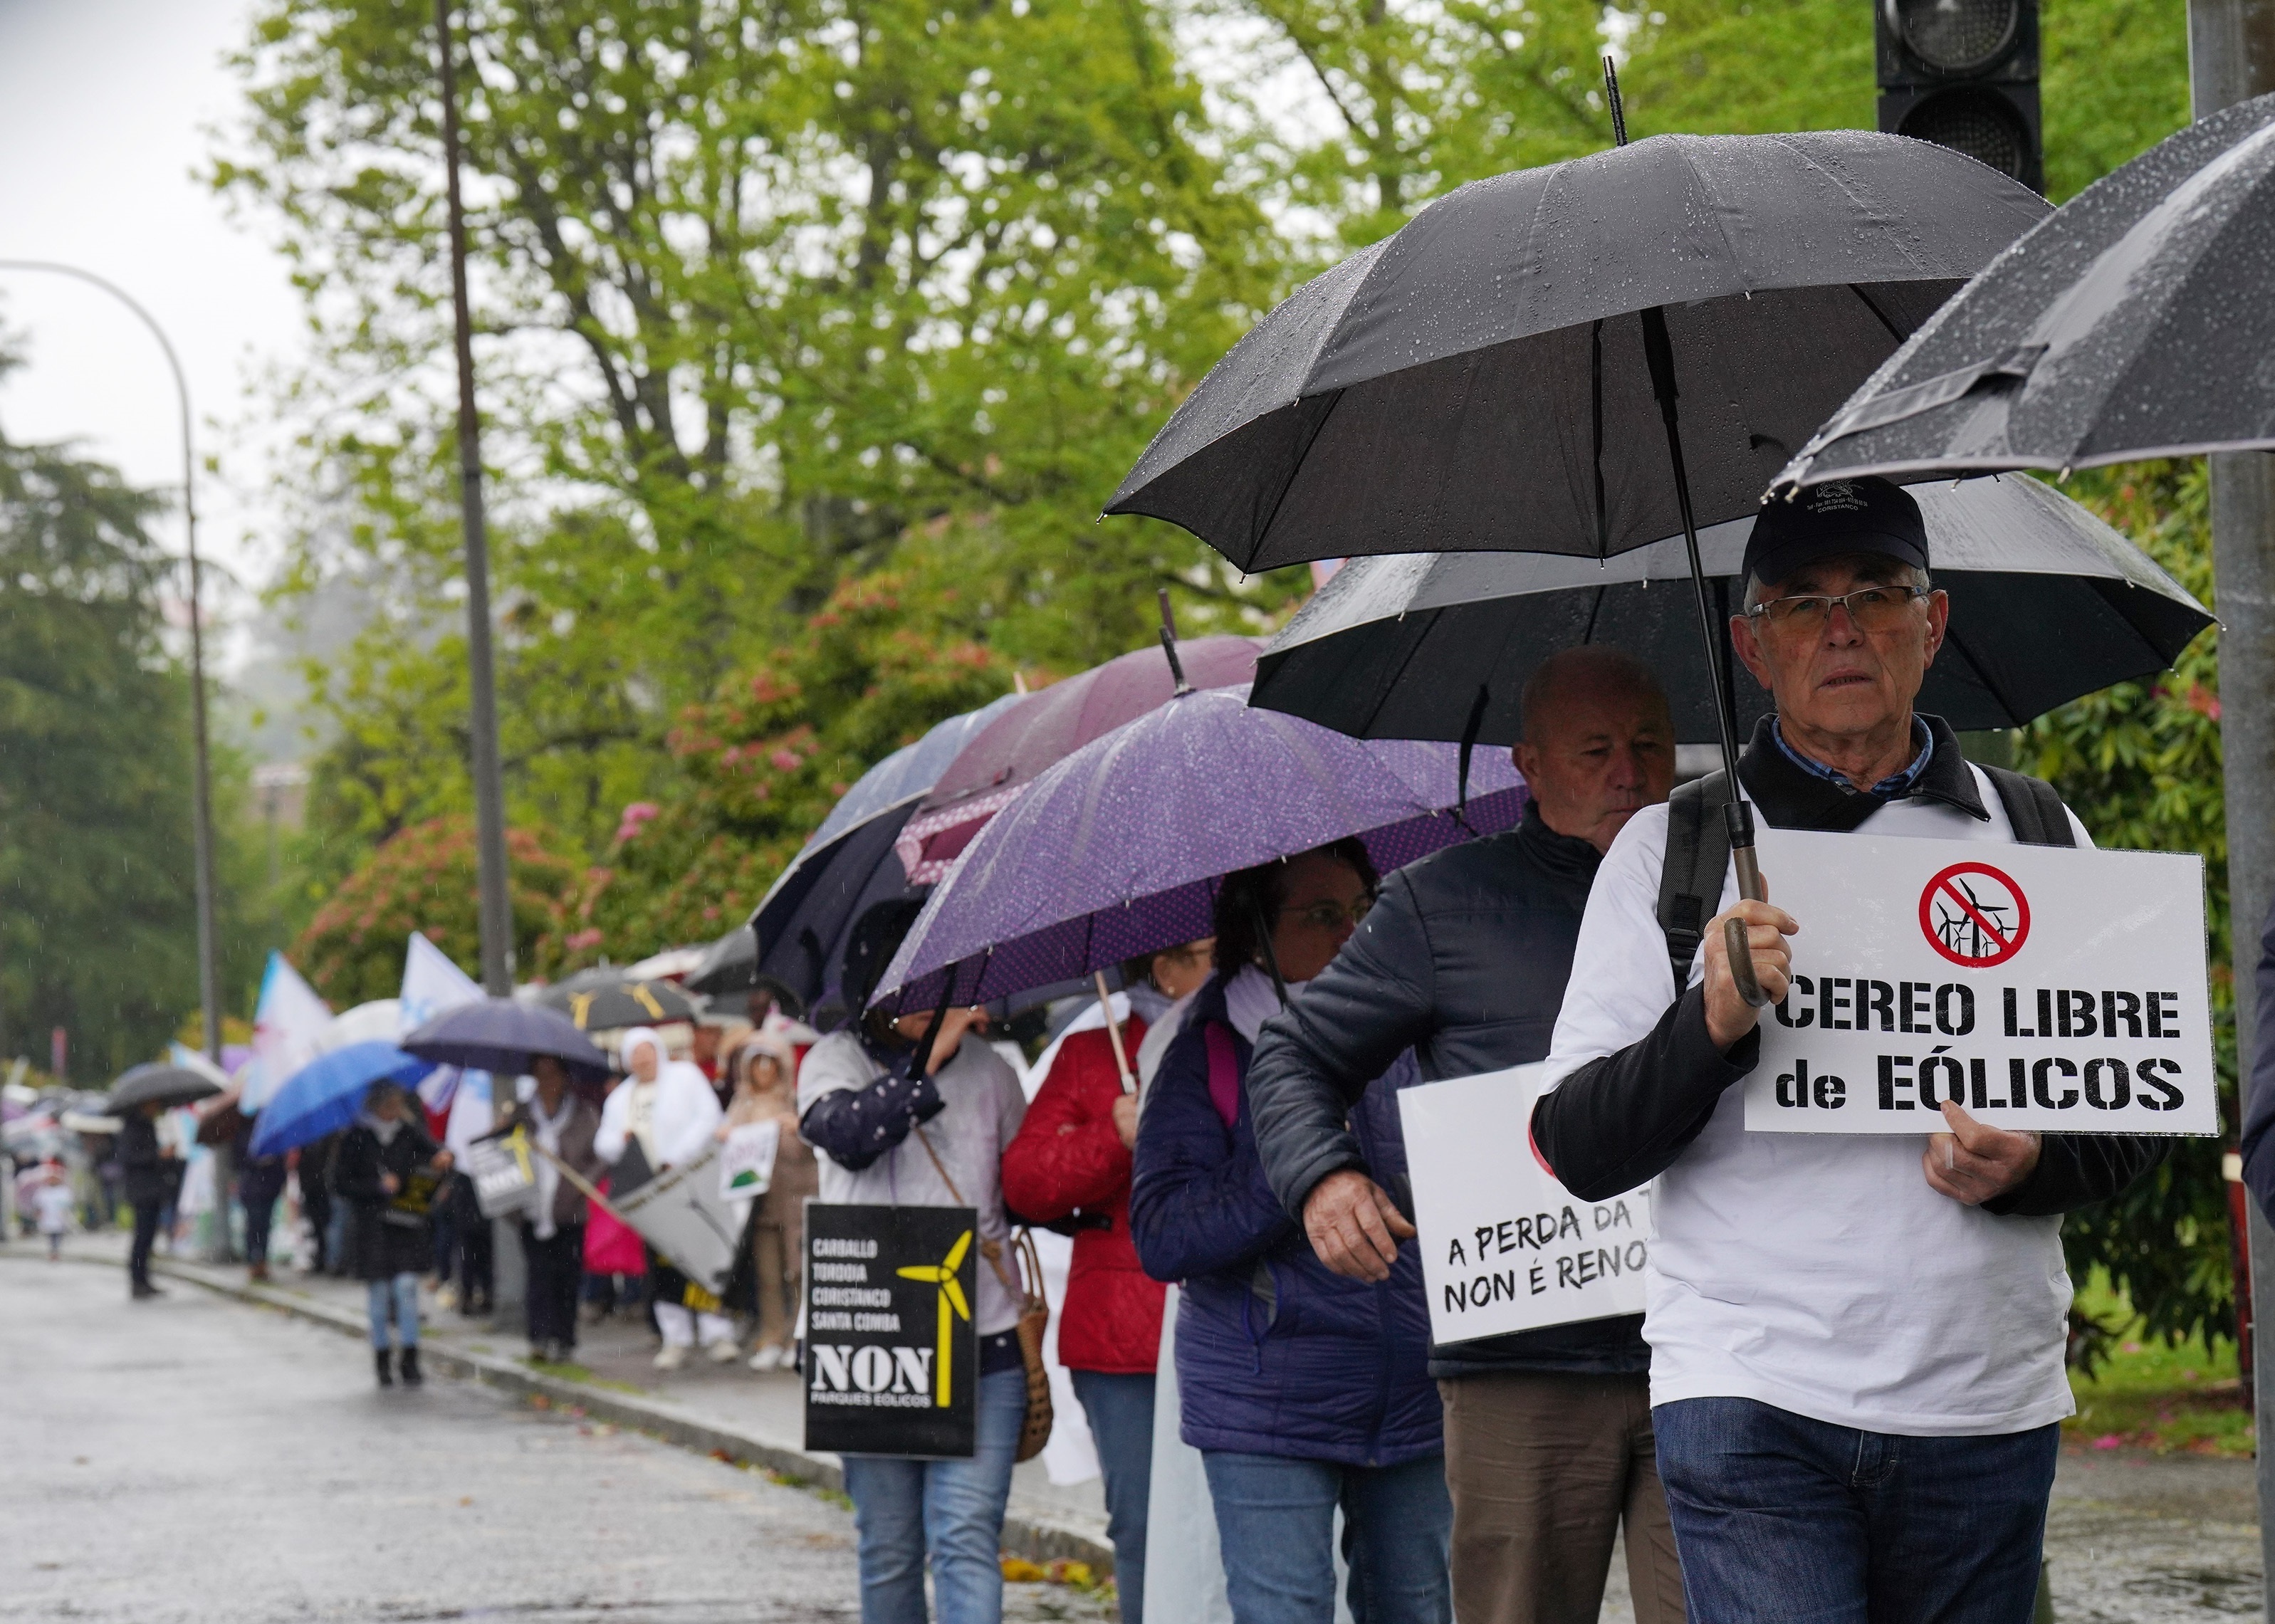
{"x":1118,"y":850}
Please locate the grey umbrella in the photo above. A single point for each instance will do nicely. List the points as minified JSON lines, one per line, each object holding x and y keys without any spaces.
{"x":2137,"y":320}
{"x":170,"y":1085}
{"x":2047,"y":603}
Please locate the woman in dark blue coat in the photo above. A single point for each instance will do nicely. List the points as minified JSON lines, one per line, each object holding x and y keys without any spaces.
{"x":1304,"y":1391}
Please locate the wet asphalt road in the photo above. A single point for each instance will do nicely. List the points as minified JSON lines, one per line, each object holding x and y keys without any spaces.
{"x":194,"y":1459}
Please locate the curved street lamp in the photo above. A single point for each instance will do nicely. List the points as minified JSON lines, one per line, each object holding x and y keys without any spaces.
{"x":209,"y":984}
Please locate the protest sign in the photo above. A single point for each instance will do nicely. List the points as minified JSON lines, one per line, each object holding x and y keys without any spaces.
{"x":504,"y":1176}
{"x":1504,"y":1246}
{"x":2038,"y":986}
{"x":681,"y":1212}
{"x":746,"y":1161}
{"x":891,"y":1358}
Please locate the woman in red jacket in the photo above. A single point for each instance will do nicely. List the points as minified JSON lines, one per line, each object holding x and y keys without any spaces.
{"x":1071,"y":1159}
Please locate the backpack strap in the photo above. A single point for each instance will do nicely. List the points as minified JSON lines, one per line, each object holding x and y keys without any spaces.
{"x":1223,"y":1072}
{"x":2034,"y":807}
{"x":1697,"y":860}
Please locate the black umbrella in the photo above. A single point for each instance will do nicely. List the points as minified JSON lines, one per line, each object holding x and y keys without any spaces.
{"x":168,"y":1086}
{"x":729,"y":965}
{"x":1581,"y":358}
{"x":797,"y":931}
{"x":2137,"y":321}
{"x":610,"y":1000}
{"x":503,"y":1035}
{"x":2047,"y":603}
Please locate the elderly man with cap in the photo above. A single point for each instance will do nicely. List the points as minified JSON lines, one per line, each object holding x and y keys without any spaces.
{"x":1857,"y":1342}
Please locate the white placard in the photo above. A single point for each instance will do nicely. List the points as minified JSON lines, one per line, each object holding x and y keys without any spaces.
{"x":1504,"y":1246}
{"x":746,"y":1161}
{"x":2041,"y":986}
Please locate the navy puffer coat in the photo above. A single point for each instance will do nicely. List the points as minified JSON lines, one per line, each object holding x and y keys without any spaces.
{"x":1276,"y":1354}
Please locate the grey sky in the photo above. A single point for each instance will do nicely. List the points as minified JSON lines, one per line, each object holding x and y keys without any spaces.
{"x":102,"y":105}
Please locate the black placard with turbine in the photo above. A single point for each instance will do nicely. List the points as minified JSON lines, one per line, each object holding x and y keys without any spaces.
{"x":892,"y":1357}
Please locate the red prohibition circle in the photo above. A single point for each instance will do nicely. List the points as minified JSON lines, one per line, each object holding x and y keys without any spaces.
{"x":1970,"y":924}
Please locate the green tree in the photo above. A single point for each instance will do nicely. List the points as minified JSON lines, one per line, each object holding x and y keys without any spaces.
{"x":423,"y":879}
{"x":97,"y":920}
{"x":764,"y":761}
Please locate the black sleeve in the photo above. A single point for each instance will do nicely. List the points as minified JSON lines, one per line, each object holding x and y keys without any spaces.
{"x":1315,"y":1058}
{"x":857,"y":1126}
{"x":1621,"y":1120}
{"x":2076,"y":1170}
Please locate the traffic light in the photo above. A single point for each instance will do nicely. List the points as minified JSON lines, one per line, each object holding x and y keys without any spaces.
{"x":1964,"y":74}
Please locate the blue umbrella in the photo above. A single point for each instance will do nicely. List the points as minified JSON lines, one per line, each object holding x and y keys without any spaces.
{"x":500,"y":1035}
{"x":324,"y":1095}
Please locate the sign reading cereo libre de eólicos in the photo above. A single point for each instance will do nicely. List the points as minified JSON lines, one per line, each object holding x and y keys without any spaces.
{"x":1504,"y":1246}
{"x":892,"y":1360}
{"x":2037,"y":987}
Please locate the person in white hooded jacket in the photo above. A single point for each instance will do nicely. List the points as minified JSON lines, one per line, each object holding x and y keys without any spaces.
{"x":666,"y":1107}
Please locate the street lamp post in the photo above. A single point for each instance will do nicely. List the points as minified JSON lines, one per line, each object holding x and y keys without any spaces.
{"x":201,"y":816}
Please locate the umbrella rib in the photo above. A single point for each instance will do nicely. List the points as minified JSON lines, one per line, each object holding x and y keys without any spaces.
{"x":1878,"y":314}
{"x":1997,"y":690}
{"x":1294,"y":469}
{"x":1596,"y":461}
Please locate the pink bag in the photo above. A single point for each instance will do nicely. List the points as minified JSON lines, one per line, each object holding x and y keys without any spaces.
{"x":611,"y":1248}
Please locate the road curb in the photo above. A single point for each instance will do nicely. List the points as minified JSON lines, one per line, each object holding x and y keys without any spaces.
{"x":1038,"y":1539}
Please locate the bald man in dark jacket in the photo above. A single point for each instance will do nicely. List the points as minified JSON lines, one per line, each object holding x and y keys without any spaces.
{"x":1463,"y":959}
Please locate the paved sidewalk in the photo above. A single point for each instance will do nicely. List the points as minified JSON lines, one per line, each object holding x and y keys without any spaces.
{"x":714,"y":1408}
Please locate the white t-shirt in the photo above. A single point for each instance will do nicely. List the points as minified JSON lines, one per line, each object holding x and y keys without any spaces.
{"x":1819,"y":1272}
{"x":983,"y":1110}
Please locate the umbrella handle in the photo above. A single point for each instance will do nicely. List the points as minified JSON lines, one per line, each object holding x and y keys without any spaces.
{"x":1740,"y":818}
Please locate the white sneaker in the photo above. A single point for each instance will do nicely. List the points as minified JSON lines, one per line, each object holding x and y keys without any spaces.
{"x":768,"y":1358}
{"x":673,"y":1355}
{"x":723,"y":1351}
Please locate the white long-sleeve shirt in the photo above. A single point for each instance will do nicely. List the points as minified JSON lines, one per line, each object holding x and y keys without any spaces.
{"x":1818,"y":1273}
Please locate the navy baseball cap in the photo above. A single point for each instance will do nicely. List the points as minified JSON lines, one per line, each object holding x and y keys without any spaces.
{"x":1868,"y":515}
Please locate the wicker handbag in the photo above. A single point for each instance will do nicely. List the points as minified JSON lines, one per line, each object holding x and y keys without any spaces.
{"x":1023,"y":1278}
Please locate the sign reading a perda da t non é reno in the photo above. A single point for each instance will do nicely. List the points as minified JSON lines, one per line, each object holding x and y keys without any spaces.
{"x":892,"y":1360}
{"x":2038,"y":986}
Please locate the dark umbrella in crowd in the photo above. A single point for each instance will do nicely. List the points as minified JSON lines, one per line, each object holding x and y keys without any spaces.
{"x":1582,"y":359}
{"x":2047,"y":603}
{"x":798,"y":929}
{"x":1116,"y":850}
{"x":2137,"y":321}
{"x":502,"y":1035}
{"x":155,"y":1081}
{"x":1047,"y":726}
{"x":610,"y":1004}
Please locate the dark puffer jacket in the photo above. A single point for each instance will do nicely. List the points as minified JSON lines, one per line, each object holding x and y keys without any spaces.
{"x":384,"y":1239}
{"x":1464,"y":960}
{"x":1276,"y":1355}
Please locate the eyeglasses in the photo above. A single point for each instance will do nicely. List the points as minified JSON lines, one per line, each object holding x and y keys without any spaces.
{"x":1332,"y":916}
{"x":1871,"y":608}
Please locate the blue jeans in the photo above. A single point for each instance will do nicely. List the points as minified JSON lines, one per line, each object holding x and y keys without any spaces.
{"x":1120,"y":1409}
{"x":1275,"y":1521}
{"x":402,"y":1295}
{"x":1778,"y":1517}
{"x":951,"y":1510}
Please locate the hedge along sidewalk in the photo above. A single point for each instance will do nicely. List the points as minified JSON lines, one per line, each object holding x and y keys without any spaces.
{"x":1040,"y":1532}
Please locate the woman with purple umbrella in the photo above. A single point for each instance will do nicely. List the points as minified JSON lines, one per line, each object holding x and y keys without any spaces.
{"x":1306,"y":1391}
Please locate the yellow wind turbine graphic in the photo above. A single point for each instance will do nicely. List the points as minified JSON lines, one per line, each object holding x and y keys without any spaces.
{"x":951,"y":1303}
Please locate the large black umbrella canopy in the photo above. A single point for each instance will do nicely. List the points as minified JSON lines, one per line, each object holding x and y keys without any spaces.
{"x":1477,"y":380}
{"x":609,"y":1005}
{"x":503,"y":1035}
{"x":2137,"y":321}
{"x":2047,"y":603}
{"x":169,"y":1085}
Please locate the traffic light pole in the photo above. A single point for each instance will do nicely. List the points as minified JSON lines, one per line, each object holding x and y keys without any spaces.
{"x":2231,"y":59}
